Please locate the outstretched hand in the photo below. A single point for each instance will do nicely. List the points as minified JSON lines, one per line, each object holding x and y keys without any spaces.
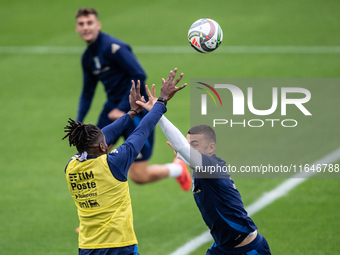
{"x":175,"y":152}
{"x":135,"y":96}
{"x":152,"y":98}
{"x":169,"y":89}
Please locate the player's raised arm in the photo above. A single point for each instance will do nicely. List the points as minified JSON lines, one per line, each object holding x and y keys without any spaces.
{"x":85,"y":100}
{"x":176,"y":138}
{"x":179,"y":143}
{"x":133,"y":145}
{"x":168,"y":90}
{"x":114,"y":130}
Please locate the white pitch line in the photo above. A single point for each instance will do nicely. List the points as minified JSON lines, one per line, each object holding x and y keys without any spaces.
{"x":262,"y":202}
{"x":41,"y":49}
{"x":178,"y":49}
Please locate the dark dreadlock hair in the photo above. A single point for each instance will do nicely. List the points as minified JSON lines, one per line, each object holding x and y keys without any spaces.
{"x":81,"y":135}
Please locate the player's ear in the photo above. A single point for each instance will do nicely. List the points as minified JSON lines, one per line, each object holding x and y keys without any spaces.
{"x":102,"y":148}
{"x":99,"y":25}
{"x":212,"y":148}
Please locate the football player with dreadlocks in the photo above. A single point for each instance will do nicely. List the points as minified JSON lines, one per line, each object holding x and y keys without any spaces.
{"x":97,"y":180}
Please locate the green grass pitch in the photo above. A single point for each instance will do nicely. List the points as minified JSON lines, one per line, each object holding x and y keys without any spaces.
{"x":39,"y":92}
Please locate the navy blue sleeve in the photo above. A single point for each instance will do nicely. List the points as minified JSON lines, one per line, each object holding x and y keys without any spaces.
{"x":118,"y":163}
{"x":121,"y":158}
{"x":114,"y":130}
{"x":130,"y":64}
{"x":89,"y":86}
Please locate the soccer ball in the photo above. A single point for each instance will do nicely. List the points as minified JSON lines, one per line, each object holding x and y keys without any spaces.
{"x":205,"y":35}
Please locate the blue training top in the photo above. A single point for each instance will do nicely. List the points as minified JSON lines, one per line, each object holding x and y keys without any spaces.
{"x":221,"y":206}
{"x":112,"y":62}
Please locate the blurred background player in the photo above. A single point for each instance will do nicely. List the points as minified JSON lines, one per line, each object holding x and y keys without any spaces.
{"x":112,"y":62}
{"x":215,"y":193}
{"x":97,"y":179}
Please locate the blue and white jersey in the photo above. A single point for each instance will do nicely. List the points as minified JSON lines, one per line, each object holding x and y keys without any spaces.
{"x":215,"y":193}
{"x":221,"y":206}
{"x":112,"y":62}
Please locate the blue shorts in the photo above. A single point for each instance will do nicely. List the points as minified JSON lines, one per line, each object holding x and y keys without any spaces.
{"x":146,"y":151}
{"x":259,"y":246}
{"x":127,"y":250}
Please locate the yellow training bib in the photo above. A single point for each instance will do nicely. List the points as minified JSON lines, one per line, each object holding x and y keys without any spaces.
{"x":104,"y":204}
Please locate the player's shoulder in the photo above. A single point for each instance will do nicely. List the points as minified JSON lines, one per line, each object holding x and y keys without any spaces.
{"x":107,"y":38}
{"x":114,"y":155}
{"x":111,"y":43}
{"x":73,"y":158}
{"x":213,"y":159}
{"x":114,"y":152}
{"x":214,"y":166}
